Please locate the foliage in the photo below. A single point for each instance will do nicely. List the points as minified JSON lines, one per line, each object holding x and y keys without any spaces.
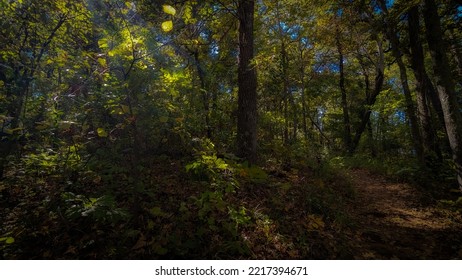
{"x":102,"y":210}
{"x":118,"y":126}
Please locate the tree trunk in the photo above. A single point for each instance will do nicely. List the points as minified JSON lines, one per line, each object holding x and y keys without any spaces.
{"x":346,"y":115}
{"x":425,"y":88}
{"x":285,"y":91}
{"x":444,"y":83}
{"x":379,"y":78}
{"x":456,"y":49}
{"x":410,"y":110}
{"x":247,"y":83}
{"x":303,"y":97}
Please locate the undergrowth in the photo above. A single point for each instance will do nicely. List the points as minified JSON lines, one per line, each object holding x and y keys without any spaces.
{"x":209,"y":205}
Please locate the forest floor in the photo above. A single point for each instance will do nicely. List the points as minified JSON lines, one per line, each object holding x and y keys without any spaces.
{"x":274,"y":213}
{"x":396,"y":221}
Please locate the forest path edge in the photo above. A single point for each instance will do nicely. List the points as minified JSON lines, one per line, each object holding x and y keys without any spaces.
{"x":393,"y":223}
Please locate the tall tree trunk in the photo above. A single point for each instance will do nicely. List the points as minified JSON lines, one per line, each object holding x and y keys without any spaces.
{"x":285,"y":91}
{"x":410,"y":110}
{"x":247,"y":82}
{"x":303,"y":94}
{"x":346,"y":115}
{"x":444,"y":83}
{"x":303,"y":97}
{"x":425,"y":88}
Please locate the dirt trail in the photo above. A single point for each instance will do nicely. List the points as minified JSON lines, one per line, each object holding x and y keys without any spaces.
{"x":393,"y":224}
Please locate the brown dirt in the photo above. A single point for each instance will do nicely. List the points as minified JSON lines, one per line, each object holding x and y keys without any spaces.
{"x":393,"y":222}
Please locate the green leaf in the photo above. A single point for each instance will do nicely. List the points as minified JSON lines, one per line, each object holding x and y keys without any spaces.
{"x":102,"y":62}
{"x":169,"y":10}
{"x":101,"y":132}
{"x":102,"y":43}
{"x":167,"y":26}
{"x":163,"y":119}
{"x":7,"y":240}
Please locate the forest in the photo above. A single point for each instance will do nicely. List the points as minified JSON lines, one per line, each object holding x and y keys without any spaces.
{"x":231,"y":129}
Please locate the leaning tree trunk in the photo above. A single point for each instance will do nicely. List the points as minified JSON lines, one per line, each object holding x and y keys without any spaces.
{"x":247,"y":83}
{"x":444,"y":83}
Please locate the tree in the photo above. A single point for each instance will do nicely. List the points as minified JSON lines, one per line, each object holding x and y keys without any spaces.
{"x":444,"y":83}
{"x":426,"y":93}
{"x":36,"y":35}
{"x":346,"y":114}
{"x":247,"y":83}
{"x":392,"y":35}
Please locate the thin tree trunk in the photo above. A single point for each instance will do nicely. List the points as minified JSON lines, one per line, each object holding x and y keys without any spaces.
{"x":247,"y":82}
{"x":444,"y":83}
{"x":346,"y":116}
{"x":303,"y":97}
{"x":285,"y":90}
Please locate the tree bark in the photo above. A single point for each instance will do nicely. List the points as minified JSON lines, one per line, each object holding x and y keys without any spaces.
{"x":425,"y":88}
{"x":444,"y":83}
{"x":247,"y":83}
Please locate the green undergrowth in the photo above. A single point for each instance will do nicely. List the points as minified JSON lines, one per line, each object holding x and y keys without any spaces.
{"x":209,"y":205}
{"x":437,"y":178}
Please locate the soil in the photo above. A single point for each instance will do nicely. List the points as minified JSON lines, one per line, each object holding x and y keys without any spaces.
{"x":395,"y":221}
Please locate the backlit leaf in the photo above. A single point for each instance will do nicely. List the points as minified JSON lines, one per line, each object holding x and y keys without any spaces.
{"x":169,"y":10}
{"x":7,"y":240}
{"x":167,"y":26}
{"x":101,"y":132}
{"x":102,"y":43}
{"x":102,"y":62}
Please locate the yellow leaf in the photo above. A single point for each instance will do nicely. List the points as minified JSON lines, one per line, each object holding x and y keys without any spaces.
{"x":102,"y":43}
{"x":102,"y":62}
{"x":169,"y":10}
{"x":163,"y":119}
{"x":167,"y":26}
{"x":101,"y":132}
